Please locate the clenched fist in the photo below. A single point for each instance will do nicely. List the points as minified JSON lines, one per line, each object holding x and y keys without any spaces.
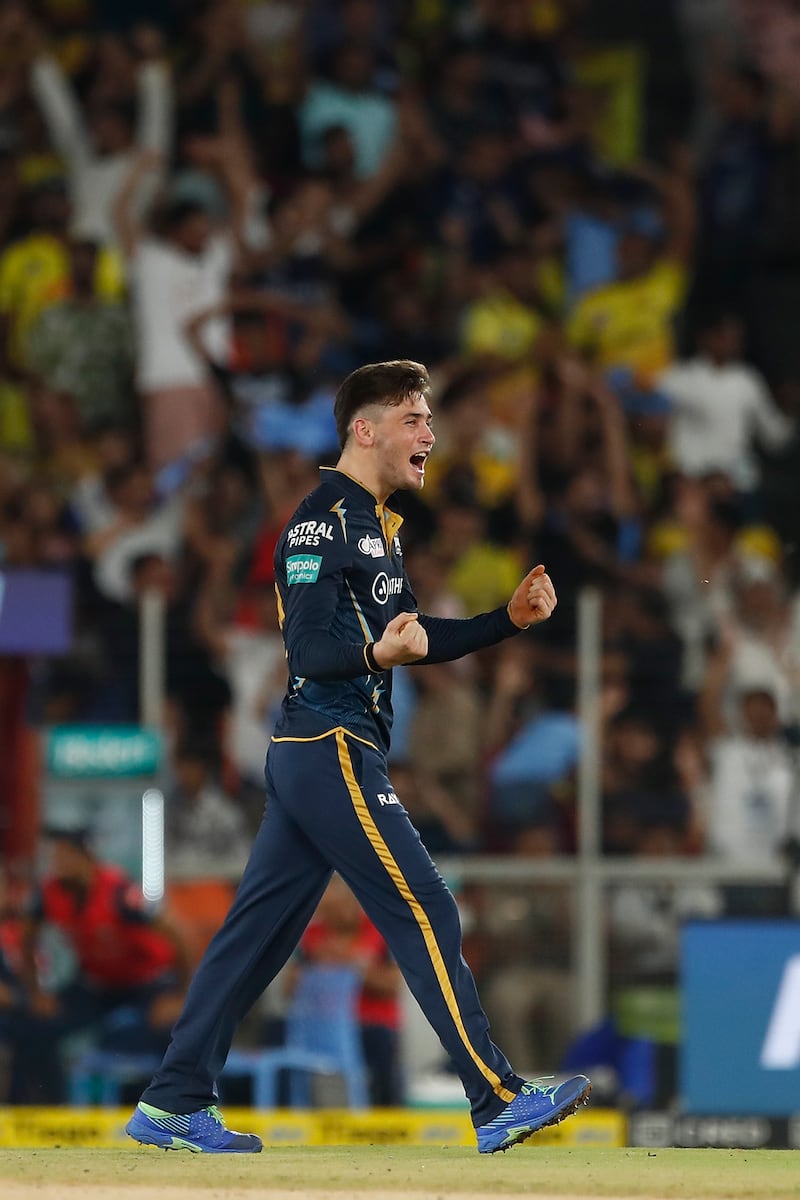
{"x":534,"y":599}
{"x":403,"y":641}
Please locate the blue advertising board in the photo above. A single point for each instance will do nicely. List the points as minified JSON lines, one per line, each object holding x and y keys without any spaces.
{"x":740,"y":1051}
{"x":35,"y":611}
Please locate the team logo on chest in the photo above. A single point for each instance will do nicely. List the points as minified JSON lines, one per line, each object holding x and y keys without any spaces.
{"x":372,"y":546}
{"x":383,"y":587}
{"x":309,"y":533}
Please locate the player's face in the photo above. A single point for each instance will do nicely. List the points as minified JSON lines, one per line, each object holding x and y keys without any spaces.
{"x":403,"y":441}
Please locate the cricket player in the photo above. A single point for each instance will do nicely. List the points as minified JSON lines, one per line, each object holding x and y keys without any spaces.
{"x":349,"y":616}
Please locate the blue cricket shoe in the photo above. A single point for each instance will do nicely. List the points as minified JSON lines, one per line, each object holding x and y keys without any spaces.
{"x":201,"y":1132}
{"x":535,"y":1107}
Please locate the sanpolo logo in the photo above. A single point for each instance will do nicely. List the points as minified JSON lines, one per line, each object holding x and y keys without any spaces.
{"x":383,"y":587}
{"x":303,"y":568}
{"x":373,"y":546}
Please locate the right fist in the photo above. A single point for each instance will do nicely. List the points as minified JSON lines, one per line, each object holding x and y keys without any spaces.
{"x":403,"y":641}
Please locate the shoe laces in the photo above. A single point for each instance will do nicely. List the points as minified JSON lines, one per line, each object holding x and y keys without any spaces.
{"x":533,"y":1085}
{"x":214,"y":1112}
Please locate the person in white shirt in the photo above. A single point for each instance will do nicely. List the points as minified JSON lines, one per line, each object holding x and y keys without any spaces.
{"x":720,"y":407}
{"x":98,"y":148}
{"x":138,"y":524}
{"x":750,"y":807}
{"x":174,"y":276}
{"x":206,"y":830}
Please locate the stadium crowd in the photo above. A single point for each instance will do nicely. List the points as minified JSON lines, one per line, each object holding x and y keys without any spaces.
{"x":583,"y":222}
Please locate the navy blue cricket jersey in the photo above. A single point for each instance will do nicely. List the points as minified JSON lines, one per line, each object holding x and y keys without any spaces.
{"x":339,"y":578}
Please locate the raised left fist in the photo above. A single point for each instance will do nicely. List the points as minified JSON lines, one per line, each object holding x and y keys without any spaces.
{"x":533,"y":600}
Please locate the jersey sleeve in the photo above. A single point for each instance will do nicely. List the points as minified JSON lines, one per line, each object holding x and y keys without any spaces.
{"x":310,"y":564}
{"x":451,"y":638}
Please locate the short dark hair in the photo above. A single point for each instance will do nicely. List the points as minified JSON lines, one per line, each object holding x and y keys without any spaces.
{"x":178,"y":212}
{"x":80,"y":838}
{"x":386,"y":383}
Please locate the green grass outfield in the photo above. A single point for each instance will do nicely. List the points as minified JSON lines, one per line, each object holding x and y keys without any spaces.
{"x":395,"y":1172}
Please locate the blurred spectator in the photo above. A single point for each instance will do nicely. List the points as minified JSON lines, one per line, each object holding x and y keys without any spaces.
{"x":645,"y":919}
{"x":221,"y":56}
{"x":578,"y":207}
{"x":241,"y":632}
{"x":35,"y":271}
{"x":587,"y":529}
{"x":348,"y":98}
{"x":761,"y":628}
{"x":200,"y":692}
{"x":110,"y":446}
{"x":479,"y":570}
{"x":446,"y":736}
{"x":81,"y":345}
{"x":508,"y":316}
{"x":641,"y":784}
{"x":434,"y":596}
{"x":127,"y":956}
{"x":206,"y":831}
{"x":695,"y":545}
{"x":627,"y":325}
{"x":536,"y":741}
{"x":752,"y":770}
{"x":445,"y":824}
{"x":479,"y":202}
{"x":174,"y":277}
{"x":24,"y":1057}
{"x":328,"y":25}
{"x":341,"y":934}
{"x":473,"y":453}
{"x":264,"y":388}
{"x":460,"y":100}
{"x":137,"y":524}
{"x":98,"y":147}
{"x":637,"y":625}
{"x":720,"y":407}
{"x":39,"y":531}
{"x":528,"y":990}
{"x":525,"y":71}
{"x":735,"y":176}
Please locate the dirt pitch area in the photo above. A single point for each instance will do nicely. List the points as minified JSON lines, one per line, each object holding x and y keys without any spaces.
{"x":408,"y":1173}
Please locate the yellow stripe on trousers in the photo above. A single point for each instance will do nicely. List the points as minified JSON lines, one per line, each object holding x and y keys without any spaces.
{"x":420,"y":916}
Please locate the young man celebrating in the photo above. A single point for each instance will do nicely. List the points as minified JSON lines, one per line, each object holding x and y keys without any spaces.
{"x":348,"y":616}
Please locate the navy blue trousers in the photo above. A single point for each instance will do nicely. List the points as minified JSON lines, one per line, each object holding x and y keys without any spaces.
{"x":330,"y":806}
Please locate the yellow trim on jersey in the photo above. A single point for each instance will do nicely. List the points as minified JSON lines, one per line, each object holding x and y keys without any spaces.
{"x":349,"y":476}
{"x":390,"y":524}
{"x":360,"y":614}
{"x":337,"y":729}
{"x":281,"y":609}
{"x":420,"y":916}
{"x":341,"y":513}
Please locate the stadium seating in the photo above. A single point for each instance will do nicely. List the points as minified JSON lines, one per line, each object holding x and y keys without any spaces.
{"x":322,"y":1037}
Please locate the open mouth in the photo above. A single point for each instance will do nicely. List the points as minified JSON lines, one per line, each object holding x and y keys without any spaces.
{"x":418,"y":462}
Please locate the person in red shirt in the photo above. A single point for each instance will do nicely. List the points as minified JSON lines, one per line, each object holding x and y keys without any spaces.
{"x":340,"y":933}
{"x":128,"y":957}
{"x":23,"y":1059}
